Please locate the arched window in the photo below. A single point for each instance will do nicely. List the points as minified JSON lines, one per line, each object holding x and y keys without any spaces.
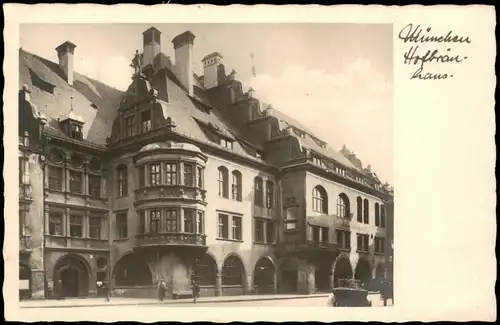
{"x":122,"y":179}
{"x":205,"y":271}
{"x":259,"y":193}
{"x":359,"y":209}
{"x":343,"y":208}
{"x":233,"y":272}
{"x":377,"y":215}
{"x":132,"y":270}
{"x":236,"y":186}
{"x":269,"y":194}
{"x":223,"y":181}
{"x":320,"y":200}
{"x":366,"y":211}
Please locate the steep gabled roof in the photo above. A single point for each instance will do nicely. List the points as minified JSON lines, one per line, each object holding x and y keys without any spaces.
{"x":89,"y":99}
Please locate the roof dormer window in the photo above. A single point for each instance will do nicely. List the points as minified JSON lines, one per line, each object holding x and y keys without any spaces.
{"x":340,"y":171}
{"x":76,"y":131}
{"x":226,"y":143}
{"x":317,"y":161}
{"x":72,"y":124}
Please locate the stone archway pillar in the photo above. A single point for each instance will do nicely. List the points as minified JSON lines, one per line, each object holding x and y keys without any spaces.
{"x":218,"y":284}
{"x":275,"y":282}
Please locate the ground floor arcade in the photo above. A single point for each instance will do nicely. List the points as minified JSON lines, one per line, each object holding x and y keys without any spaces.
{"x":136,"y":275}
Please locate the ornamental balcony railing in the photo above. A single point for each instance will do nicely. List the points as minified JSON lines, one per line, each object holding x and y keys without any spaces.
{"x":171,"y":239}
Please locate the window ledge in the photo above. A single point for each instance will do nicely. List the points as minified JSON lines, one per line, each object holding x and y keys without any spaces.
{"x":362,"y":251}
{"x":263,"y":243}
{"x":121,"y":239}
{"x":228,"y":239}
{"x":345,"y":249}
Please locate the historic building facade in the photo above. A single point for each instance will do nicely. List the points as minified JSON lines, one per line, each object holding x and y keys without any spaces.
{"x":183,"y":177}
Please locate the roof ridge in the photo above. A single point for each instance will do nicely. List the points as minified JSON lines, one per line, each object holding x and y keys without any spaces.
{"x":76,"y":72}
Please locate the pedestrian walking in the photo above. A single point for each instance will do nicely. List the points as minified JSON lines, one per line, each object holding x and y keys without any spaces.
{"x":161,"y":289}
{"x":105,"y":290}
{"x":59,"y":289}
{"x":195,"y":289}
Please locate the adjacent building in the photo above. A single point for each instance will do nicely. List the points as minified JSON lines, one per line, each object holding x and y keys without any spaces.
{"x":183,"y":177}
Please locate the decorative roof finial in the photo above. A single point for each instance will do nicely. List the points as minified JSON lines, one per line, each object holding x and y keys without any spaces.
{"x":136,"y":63}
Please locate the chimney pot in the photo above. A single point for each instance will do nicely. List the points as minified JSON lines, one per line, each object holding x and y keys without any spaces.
{"x":183,"y":69}
{"x":65,"y":53}
{"x":152,"y":45}
{"x":211,"y":64}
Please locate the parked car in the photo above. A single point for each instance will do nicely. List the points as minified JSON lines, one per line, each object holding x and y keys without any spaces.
{"x":349,"y":293}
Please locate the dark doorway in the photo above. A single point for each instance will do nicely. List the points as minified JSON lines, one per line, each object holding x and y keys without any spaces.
{"x":288,"y":277}
{"x":74,"y":275}
{"x":70,"y":279}
{"x":264,"y":275}
{"x":342,"y":270}
{"x":322,"y":276}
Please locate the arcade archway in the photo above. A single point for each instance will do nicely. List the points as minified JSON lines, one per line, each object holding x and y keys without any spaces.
{"x":342,"y":270}
{"x":322,"y":275}
{"x":264,"y":276}
{"x":132,"y":271}
{"x":288,"y":277}
{"x":74,"y":274}
{"x":363,"y":273}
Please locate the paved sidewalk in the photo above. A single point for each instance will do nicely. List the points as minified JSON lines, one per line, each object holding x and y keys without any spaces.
{"x":120,"y":301}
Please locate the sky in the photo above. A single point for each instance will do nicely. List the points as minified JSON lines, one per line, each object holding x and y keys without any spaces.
{"x":336,"y":79}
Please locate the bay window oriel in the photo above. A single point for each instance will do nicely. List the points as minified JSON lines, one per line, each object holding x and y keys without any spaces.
{"x":171,"y":220}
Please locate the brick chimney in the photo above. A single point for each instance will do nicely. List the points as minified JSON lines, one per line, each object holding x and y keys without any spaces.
{"x":65,"y":53}
{"x":211,"y":64}
{"x":152,"y":45}
{"x":183,"y":69}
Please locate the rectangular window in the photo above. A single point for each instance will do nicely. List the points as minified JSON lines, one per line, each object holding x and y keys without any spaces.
{"x":188,"y":174}
{"x":55,"y":223}
{"x":315,"y":233}
{"x":75,"y":182}
{"x":379,"y":245}
{"x":189,"y":221}
{"x":142,"y":176}
{"x":269,"y":194}
{"x":155,"y":217}
{"x":199,"y":177}
{"x":154,"y":174}
{"x":142,"y":222}
{"x":170,"y":173}
{"x":271,"y":232}
{"x":259,"y":195}
{"x":259,"y":230}
{"x":76,"y":132}
{"x":171,"y":220}
{"x":76,"y":225}
{"x":382,"y":217}
{"x":363,"y":241}
{"x":146,"y":121}
{"x":123,"y":182}
{"x":223,"y":226}
{"x":343,"y":239}
{"x":94,"y":186}
{"x":55,"y":178}
{"x":200,"y":227}
{"x":236,"y":226}
{"x":325,"y":235}
{"x":130,"y":126}
{"x":95,"y":225}
{"x":121,"y":225}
